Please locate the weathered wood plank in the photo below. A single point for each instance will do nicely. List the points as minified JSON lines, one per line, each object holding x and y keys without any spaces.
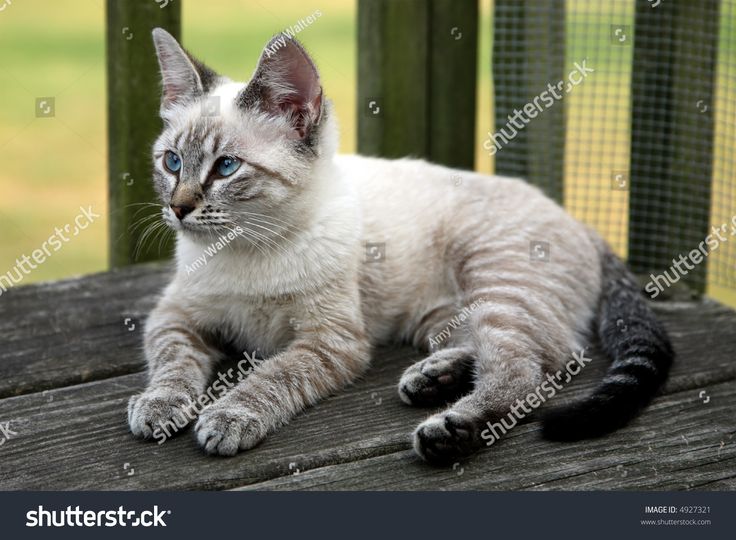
{"x":72,"y":331}
{"x":75,"y":331}
{"x":133,"y":91}
{"x":77,"y":437}
{"x":679,"y":444}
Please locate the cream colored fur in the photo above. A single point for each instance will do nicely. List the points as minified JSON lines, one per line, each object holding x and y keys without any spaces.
{"x":308,"y":295}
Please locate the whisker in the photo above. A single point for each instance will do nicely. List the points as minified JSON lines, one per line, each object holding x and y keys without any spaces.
{"x":275,"y":233}
{"x":249,"y":235}
{"x":133,"y":226}
{"x":167,"y":232}
{"x":262,"y":220}
{"x":256,"y":214}
{"x":146,"y":234}
{"x":143,"y":206}
{"x":270,"y":243}
{"x":250,"y":241}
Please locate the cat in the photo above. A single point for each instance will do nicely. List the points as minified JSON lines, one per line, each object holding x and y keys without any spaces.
{"x":337,"y":254}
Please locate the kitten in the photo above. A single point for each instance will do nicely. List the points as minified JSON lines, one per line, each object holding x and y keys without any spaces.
{"x":361,"y":251}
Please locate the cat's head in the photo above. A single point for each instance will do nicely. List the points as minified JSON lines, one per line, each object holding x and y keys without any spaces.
{"x":238,"y":156}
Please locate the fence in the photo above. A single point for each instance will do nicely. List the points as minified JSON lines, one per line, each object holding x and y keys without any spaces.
{"x":641,"y":149}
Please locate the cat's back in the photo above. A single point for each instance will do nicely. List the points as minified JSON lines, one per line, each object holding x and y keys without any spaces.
{"x":411,"y":188}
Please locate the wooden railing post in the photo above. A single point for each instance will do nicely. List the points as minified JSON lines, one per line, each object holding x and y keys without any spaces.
{"x":672,"y":133}
{"x":417,"y":79}
{"x":528,"y":55}
{"x":133,"y":91}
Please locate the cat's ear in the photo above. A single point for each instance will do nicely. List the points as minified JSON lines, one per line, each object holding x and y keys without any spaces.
{"x":183,"y":77}
{"x":286,"y":83}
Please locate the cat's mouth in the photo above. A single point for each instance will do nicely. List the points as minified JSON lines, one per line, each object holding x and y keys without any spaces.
{"x":198,"y":230}
{"x":186,"y":227}
{"x":192,"y":228}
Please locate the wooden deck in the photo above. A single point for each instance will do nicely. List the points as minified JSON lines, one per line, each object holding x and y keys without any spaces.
{"x":71,"y":358}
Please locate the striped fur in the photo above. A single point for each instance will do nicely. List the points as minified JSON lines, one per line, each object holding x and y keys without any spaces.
{"x":302,"y":287}
{"x":641,"y":356}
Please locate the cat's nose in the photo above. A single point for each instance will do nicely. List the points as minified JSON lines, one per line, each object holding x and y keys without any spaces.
{"x":181,"y":211}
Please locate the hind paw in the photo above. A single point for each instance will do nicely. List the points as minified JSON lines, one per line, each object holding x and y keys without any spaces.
{"x":441,"y":378}
{"x":446,"y":437}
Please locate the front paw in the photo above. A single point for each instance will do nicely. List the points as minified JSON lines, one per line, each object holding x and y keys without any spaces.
{"x":160,"y":413}
{"x":224,"y":429}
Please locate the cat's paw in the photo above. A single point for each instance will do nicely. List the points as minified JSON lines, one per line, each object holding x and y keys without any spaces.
{"x":159,"y":412}
{"x":225,"y":429}
{"x":446,"y":437}
{"x":441,"y":378}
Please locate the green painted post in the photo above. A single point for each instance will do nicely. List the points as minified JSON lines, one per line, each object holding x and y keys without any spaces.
{"x":417,"y":79}
{"x":528,"y":55}
{"x":673,"y":76}
{"x":452,"y":82}
{"x":133,"y":90}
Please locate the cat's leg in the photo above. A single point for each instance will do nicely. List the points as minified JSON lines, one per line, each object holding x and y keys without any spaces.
{"x":179,"y":366}
{"x":521,"y":326}
{"x":446,"y":374}
{"x":442,"y":377}
{"x":456,"y":432}
{"x":436,"y":329}
{"x":330,"y":351}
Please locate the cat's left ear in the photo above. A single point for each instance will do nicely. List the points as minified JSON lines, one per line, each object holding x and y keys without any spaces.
{"x":286,"y":83}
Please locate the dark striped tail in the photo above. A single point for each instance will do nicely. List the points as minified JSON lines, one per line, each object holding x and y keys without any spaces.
{"x":641,"y":356}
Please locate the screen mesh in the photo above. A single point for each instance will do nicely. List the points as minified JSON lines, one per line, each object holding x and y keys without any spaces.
{"x":642,"y":147}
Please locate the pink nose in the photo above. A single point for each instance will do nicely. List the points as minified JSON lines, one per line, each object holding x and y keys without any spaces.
{"x":181,"y":211}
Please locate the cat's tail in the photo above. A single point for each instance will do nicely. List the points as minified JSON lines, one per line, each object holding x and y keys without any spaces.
{"x":641,"y":356}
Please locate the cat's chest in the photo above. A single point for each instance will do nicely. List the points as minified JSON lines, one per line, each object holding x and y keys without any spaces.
{"x":262,"y":324}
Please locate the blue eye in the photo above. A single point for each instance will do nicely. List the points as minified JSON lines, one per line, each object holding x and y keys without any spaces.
{"x":227,"y":165}
{"x":172,"y":162}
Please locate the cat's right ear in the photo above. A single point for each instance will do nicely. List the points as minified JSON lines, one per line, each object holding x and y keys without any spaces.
{"x":183,"y":77}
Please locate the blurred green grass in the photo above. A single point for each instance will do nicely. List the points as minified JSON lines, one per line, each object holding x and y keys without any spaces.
{"x":51,"y":166}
